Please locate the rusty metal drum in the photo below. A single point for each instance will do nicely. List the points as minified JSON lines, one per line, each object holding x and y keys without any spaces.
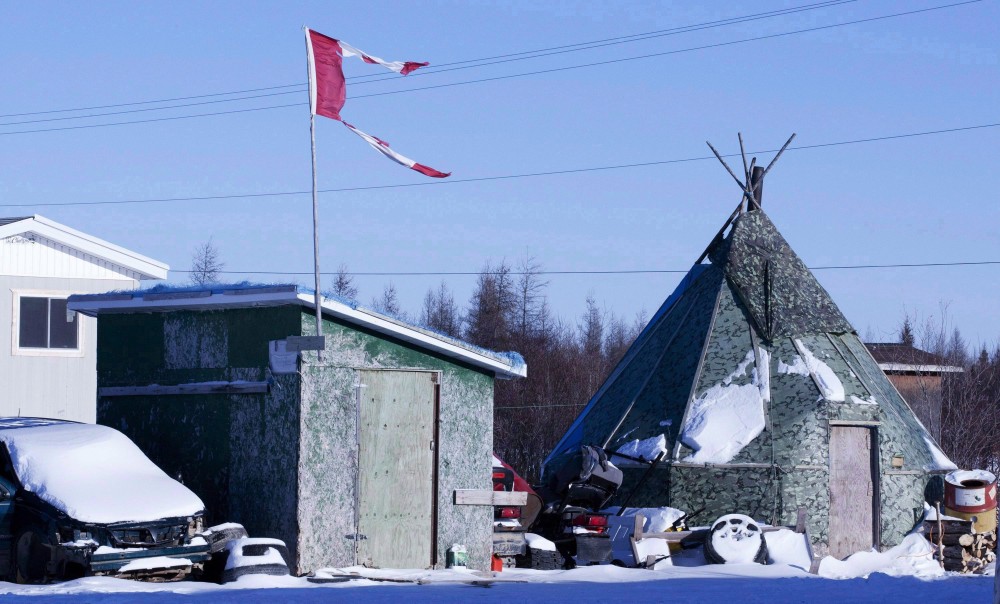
{"x":972,"y":493}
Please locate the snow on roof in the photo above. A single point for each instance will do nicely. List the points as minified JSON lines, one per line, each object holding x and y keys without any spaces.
{"x":235,"y":295}
{"x":92,"y":473}
{"x":146,"y":267}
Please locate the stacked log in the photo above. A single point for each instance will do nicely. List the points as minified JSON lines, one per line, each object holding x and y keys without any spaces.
{"x":959,"y":547}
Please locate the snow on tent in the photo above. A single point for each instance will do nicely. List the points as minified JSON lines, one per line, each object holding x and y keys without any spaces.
{"x":763,"y":400}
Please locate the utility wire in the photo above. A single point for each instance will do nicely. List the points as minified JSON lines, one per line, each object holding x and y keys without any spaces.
{"x":438,"y":68}
{"x":499,"y":177}
{"x":597,"y":272}
{"x":519,"y":75}
{"x":671,"y":52}
{"x":557,"y":50}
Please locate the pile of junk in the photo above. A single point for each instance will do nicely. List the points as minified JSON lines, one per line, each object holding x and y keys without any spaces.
{"x":566,"y":522}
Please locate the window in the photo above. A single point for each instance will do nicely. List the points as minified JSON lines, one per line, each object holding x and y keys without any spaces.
{"x":45,"y":323}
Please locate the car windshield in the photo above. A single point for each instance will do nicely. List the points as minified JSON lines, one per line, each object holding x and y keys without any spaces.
{"x":94,"y":474}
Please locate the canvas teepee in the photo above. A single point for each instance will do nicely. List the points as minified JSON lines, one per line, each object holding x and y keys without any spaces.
{"x":762,"y":399}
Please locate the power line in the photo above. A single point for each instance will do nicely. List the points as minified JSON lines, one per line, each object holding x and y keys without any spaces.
{"x":557,"y":50}
{"x":177,"y":98}
{"x":145,"y":109}
{"x":524,"y":74}
{"x":438,"y":68}
{"x":596,"y":272}
{"x":499,"y":177}
{"x":158,"y":119}
{"x":670,"y":52}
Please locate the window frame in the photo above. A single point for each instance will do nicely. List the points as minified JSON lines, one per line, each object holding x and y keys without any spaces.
{"x":15,"y":329}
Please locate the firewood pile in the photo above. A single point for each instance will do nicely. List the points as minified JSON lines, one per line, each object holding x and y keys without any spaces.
{"x":958,"y":546}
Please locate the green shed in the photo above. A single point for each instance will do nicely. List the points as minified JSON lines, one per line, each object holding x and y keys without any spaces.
{"x":351,"y":455}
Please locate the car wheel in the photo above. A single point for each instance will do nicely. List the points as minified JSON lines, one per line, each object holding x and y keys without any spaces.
{"x":31,"y":559}
{"x":735,"y":538}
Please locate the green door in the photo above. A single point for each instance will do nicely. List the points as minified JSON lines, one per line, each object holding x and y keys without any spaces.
{"x":396,"y":469}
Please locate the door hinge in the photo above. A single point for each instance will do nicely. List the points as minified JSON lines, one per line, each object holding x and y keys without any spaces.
{"x":432,"y":445}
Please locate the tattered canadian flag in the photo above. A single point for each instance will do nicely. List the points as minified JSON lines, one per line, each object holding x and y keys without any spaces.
{"x":328,"y":88}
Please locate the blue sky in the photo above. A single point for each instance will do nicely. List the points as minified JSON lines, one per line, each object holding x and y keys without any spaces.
{"x":924,"y":199}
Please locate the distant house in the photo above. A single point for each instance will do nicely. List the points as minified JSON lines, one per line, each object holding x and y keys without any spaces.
{"x":48,"y":355}
{"x":352,"y":457}
{"x":917,"y":374}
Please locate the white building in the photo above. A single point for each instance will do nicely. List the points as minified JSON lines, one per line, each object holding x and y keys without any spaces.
{"x":48,"y":361}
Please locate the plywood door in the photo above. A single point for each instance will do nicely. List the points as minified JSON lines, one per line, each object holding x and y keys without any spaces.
{"x":851,"y":490}
{"x":396,"y":469}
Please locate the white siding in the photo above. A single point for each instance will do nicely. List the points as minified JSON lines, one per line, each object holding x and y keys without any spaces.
{"x":50,"y":386}
{"x":31,"y":255}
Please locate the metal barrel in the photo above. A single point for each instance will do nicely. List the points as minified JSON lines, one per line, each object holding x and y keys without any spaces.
{"x":972,"y":493}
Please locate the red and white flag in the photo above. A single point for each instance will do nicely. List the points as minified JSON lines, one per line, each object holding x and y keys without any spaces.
{"x":383,"y":147}
{"x":328,"y":88}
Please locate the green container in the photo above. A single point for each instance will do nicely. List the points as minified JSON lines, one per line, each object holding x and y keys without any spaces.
{"x":457,"y":557}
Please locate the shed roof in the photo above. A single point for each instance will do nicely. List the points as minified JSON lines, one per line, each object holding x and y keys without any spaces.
{"x":897,"y":357}
{"x":242,"y":295}
{"x":147,"y":268}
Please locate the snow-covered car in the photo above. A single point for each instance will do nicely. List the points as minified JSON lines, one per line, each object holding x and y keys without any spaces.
{"x":82,"y":499}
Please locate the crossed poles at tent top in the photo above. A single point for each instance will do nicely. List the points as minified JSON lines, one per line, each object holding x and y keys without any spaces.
{"x":752,"y":174}
{"x":753,"y":177}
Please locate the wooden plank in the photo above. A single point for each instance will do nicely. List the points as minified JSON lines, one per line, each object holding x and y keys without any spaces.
{"x":488,"y":497}
{"x":851,"y":491}
{"x":196,"y":388}
{"x":396,"y":470}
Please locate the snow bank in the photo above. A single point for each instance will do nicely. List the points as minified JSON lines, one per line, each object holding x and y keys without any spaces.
{"x":153,"y":563}
{"x":785,"y":546}
{"x":829,"y":384}
{"x":726,"y":417}
{"x":912,"y":557}
{"x":95,"y":474}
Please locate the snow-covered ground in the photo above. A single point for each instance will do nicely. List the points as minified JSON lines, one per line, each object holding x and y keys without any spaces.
{"x":904,"y":574}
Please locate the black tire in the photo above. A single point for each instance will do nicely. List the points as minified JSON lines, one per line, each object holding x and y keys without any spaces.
{"x":218,"y":538}
{"x":744,"y":529}
{"x":31,"y":558}
{"x":231,"y":574}
{"x":540,"y":559}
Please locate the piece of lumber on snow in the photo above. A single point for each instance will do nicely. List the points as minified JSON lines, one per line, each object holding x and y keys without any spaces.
{"x":490,"y":497}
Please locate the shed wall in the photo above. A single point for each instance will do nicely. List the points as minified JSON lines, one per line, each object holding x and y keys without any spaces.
{"x":237,"y":452}
{"x":329,"y":456}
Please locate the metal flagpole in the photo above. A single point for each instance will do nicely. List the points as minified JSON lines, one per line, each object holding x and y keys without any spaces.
{"x":312,"y":141}
{"x":319,"y":305}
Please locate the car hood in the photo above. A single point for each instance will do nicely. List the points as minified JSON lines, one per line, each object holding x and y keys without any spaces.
{"x":95,"y":474}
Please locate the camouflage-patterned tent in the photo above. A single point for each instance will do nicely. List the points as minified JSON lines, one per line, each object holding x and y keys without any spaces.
{"x":763,"y":400}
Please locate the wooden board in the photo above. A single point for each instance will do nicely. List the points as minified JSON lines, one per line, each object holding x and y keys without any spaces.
{"x":396,"y":469}
{"x":851,"y":491}
{"x":487,"y":497}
